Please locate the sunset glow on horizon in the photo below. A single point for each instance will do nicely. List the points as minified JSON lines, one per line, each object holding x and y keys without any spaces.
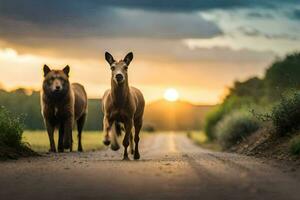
{"x":171,"y":94}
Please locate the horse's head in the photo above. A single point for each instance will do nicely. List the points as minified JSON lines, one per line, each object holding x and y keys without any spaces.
{"x":119,"y":68}
{"x":56,"y":82}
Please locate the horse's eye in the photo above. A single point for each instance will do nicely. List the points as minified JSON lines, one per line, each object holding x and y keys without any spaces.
{"x":125,"y":67}
{"x":112,"y":68}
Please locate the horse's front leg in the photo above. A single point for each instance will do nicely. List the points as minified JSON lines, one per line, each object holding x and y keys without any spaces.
{"x":50,"y":130}
{"x":106,"y":128}
{"x":137,"y":127}
{"x":128,"y":127}
{"x":68,"y":138}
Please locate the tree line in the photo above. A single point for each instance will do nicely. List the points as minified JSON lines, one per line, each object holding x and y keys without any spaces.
{"x":26,"y":103}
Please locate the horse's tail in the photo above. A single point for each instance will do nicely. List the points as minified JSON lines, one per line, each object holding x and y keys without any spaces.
{"x":115,"y":132}
{"x":118,"y":128}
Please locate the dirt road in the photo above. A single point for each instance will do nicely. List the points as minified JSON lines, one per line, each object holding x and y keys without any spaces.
{"x":172,"y":167}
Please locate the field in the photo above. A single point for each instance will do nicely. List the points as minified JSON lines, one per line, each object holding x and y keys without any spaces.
{"x":38,"y":140}
{"x":92,"y":140}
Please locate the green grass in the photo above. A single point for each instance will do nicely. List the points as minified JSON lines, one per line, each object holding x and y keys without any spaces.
{"x":201,"y":139}
{"x":38,"y":140}
{"x":295,"y":145}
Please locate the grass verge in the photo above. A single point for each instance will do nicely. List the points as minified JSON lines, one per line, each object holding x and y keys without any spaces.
{"x":201,"y":139}
{"x":38,"y":140}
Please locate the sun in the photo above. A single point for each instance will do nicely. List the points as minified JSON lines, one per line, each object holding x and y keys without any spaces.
{"x":171,"y":94}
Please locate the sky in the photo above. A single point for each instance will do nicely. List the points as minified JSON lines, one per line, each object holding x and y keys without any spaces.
{"x":197,"y":47}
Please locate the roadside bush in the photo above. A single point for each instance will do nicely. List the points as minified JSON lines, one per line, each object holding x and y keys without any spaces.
{"x":215,"y":116}
{"x":11,"y":129}
{"x":295,"y":146}
{"x":235,"y":127}
{"x":230,"y":104}
{"x":211,"y":120}
{"x":286,"y":114}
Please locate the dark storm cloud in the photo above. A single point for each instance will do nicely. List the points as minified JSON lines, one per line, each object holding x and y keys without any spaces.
{"x":196,"y":5}
{"x":77,"y":7}
{"x":295,"y":14}
{"x":91,"y":18}
{"x":260,"y":15}
{"x":25,"y":21}
{"x":49,"y":11}
{"x":115,"y":23}
{"x":253,"y":32}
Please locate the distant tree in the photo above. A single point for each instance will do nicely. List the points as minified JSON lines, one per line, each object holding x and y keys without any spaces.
{"x":26,"y":103}
{"x":283,"y":75}
{"x":252,"y":88}
{"x":95,"y":115}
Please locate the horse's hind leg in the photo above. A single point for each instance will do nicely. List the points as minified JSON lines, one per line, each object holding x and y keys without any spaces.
{"x":137,"y":126}
{"x":80,"y":124}
{"x":128,"y":127}
{"x":131,"y":143}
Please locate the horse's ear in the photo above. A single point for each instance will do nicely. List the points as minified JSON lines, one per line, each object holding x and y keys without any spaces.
{"x":109,"y":58}
{"x":46,"y":70}
{"x":66,"y":70}
{"x":128,"y":58}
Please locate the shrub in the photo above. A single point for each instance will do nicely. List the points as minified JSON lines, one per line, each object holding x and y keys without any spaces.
{"x":11,"y":129}
{"x":235,"y":127}
{"x":295,"y":146}
{"x":216,"y":115}
{"x":286,"y":114}
{"x":230,"y":104}
{"x":211,"y":120}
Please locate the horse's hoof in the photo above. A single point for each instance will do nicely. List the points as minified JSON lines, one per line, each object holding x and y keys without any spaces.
{"x":60,"y":150}
{"x":67,"y":145}
{"x":106,"y":142}
{"x":136,"y":156}
{"x":52,"y":151}
{"x":126,"y":158}
{"x":115,"y":147}
{"x":80,"y":149}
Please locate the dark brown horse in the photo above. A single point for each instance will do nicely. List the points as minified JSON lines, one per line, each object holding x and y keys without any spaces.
{"x":62,"y":105}
{"x":122,"y":105}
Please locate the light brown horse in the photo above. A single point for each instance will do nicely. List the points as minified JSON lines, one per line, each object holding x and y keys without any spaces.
{"x":122,"y":104}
